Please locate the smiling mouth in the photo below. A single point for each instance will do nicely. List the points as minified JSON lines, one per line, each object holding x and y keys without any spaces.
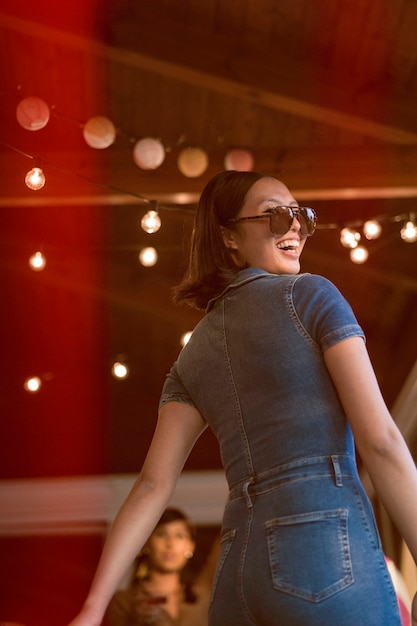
{"x":288,"y":244}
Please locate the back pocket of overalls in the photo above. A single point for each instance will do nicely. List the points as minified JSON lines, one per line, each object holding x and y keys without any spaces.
{"x":309,"y":554}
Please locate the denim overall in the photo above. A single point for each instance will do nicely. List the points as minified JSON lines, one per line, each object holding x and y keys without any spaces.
{"x":299,"y":544}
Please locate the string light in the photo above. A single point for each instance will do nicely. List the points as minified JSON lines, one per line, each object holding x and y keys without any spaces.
{"x":100,"y":132}
{"x":120,"y":370}
{"x":35,"y":179}
{"x":32,"y":113}
{"x":349,"y":238}
{"x":239,"y":159}
{"x":409,"y":230}
{"x":192,"y":162}
{"x":372,"y":229}
{"x":148,"y":256}
{"x":32,"y":384}
{"x":185,"y":338}
{"x":151,"y":222}
{"x":359,"y":255}
{"x":148,"y":153}
{"x":37,"y":261}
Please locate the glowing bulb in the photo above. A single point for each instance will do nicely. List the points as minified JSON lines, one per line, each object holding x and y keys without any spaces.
{"x":349,"y":238}
{"x":35,"y":179}
{"x":359,"y":255}
{"x":149,"y":153}
{"x":185,"y":338}
{"x":99,"y":132}
{"x":409,"y":232}
{"x":119,"y":370}
{"x":238,"y":159}
{"x":32,"y":384}
{"x":37,"y":262}
{"x":151,"y":222}
{"x":148,"y":256}
{"x":192,"y":162}
{"x":32,"y":113}
{"x":372,"y":229}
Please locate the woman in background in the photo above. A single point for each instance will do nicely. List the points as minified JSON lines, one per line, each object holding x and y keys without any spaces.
{"x":163,"y":591}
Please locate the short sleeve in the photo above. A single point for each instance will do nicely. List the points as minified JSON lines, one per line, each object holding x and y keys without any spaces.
{"x":174,"y":390}
{"x":323,"y":311}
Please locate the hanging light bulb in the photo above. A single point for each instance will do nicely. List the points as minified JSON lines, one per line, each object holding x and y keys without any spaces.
{"x":349,"y":238}
{"x":148,"y":256}
{"x":192,"y":162}
{"x":149,"y":153}
{"x":151,"y":222}
{"x":359,"y":255}
{"x":35,"y":178}
{"x":185,"y":338}
{"x":409,"y":230}
{"x":99,"y":132}
{"x":120,"y":370}
{"x":32,"y":113}
{"x":32,"y":384}
{"x":372,"y":229}
{"x":37,"y":261}
{"x":239,"y":159}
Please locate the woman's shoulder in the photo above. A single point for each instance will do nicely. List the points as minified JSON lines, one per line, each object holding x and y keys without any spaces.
{"x":307,"y":285}
{"x":323,"y":310}
{"x":305,"y":280}
{"x":301,"y":286}
{"x":314,"y":280}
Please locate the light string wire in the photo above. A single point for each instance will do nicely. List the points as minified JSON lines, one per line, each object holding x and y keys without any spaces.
{"x":356,"y":223}
{"x":151,"y":202}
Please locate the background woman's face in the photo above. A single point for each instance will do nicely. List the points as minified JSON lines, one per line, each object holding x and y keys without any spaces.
{"x":254,"y":244}
{"x":169,"y":545}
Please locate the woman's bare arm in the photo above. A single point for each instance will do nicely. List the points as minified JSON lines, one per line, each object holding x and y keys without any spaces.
{"x":380,"y":444}
{"x":179,"y":426}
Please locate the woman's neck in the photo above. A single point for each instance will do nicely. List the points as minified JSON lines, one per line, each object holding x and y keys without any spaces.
{"x":163,"y":583}
{"x":169,"y":586}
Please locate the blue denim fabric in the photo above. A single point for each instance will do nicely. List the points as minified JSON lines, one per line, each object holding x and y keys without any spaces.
{"x":299,"y":542}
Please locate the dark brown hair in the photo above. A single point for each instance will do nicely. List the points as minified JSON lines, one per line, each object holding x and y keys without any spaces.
{"x":176,"y":515}
{"x":187,"y":574}
{"x":211,"y":267}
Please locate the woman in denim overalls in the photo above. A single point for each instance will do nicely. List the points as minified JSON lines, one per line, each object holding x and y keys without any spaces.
{"x":279,"y":370}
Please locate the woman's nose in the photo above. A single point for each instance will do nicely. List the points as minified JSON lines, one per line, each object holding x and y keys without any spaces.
{"x":295,"y":225}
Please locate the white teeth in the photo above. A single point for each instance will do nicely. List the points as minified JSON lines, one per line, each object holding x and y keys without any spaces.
{"x":288,"y":243}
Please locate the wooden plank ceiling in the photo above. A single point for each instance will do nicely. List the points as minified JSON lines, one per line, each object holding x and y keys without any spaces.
{"x":322,"y":93}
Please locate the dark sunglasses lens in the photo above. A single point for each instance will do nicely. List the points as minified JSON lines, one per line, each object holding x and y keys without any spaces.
{"x":282,"y":218}
{"x":307,"y":221}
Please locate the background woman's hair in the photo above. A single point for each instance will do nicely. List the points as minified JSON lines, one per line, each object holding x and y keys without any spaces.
{"x":187,"y":574}
{"x":174,"y":515}
{"x":211,"y":267}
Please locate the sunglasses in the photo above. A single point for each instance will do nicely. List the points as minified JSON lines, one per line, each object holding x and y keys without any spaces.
{"x":282,"y":217}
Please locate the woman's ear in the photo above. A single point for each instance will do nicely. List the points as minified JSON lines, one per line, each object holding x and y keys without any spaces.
{"x":229,"y":238}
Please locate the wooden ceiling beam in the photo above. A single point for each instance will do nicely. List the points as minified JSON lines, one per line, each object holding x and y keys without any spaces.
{"x":191,"y":198}
{"x":249,"y":88}
{"x":251,"y":91}
{"x":204,"y":58}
